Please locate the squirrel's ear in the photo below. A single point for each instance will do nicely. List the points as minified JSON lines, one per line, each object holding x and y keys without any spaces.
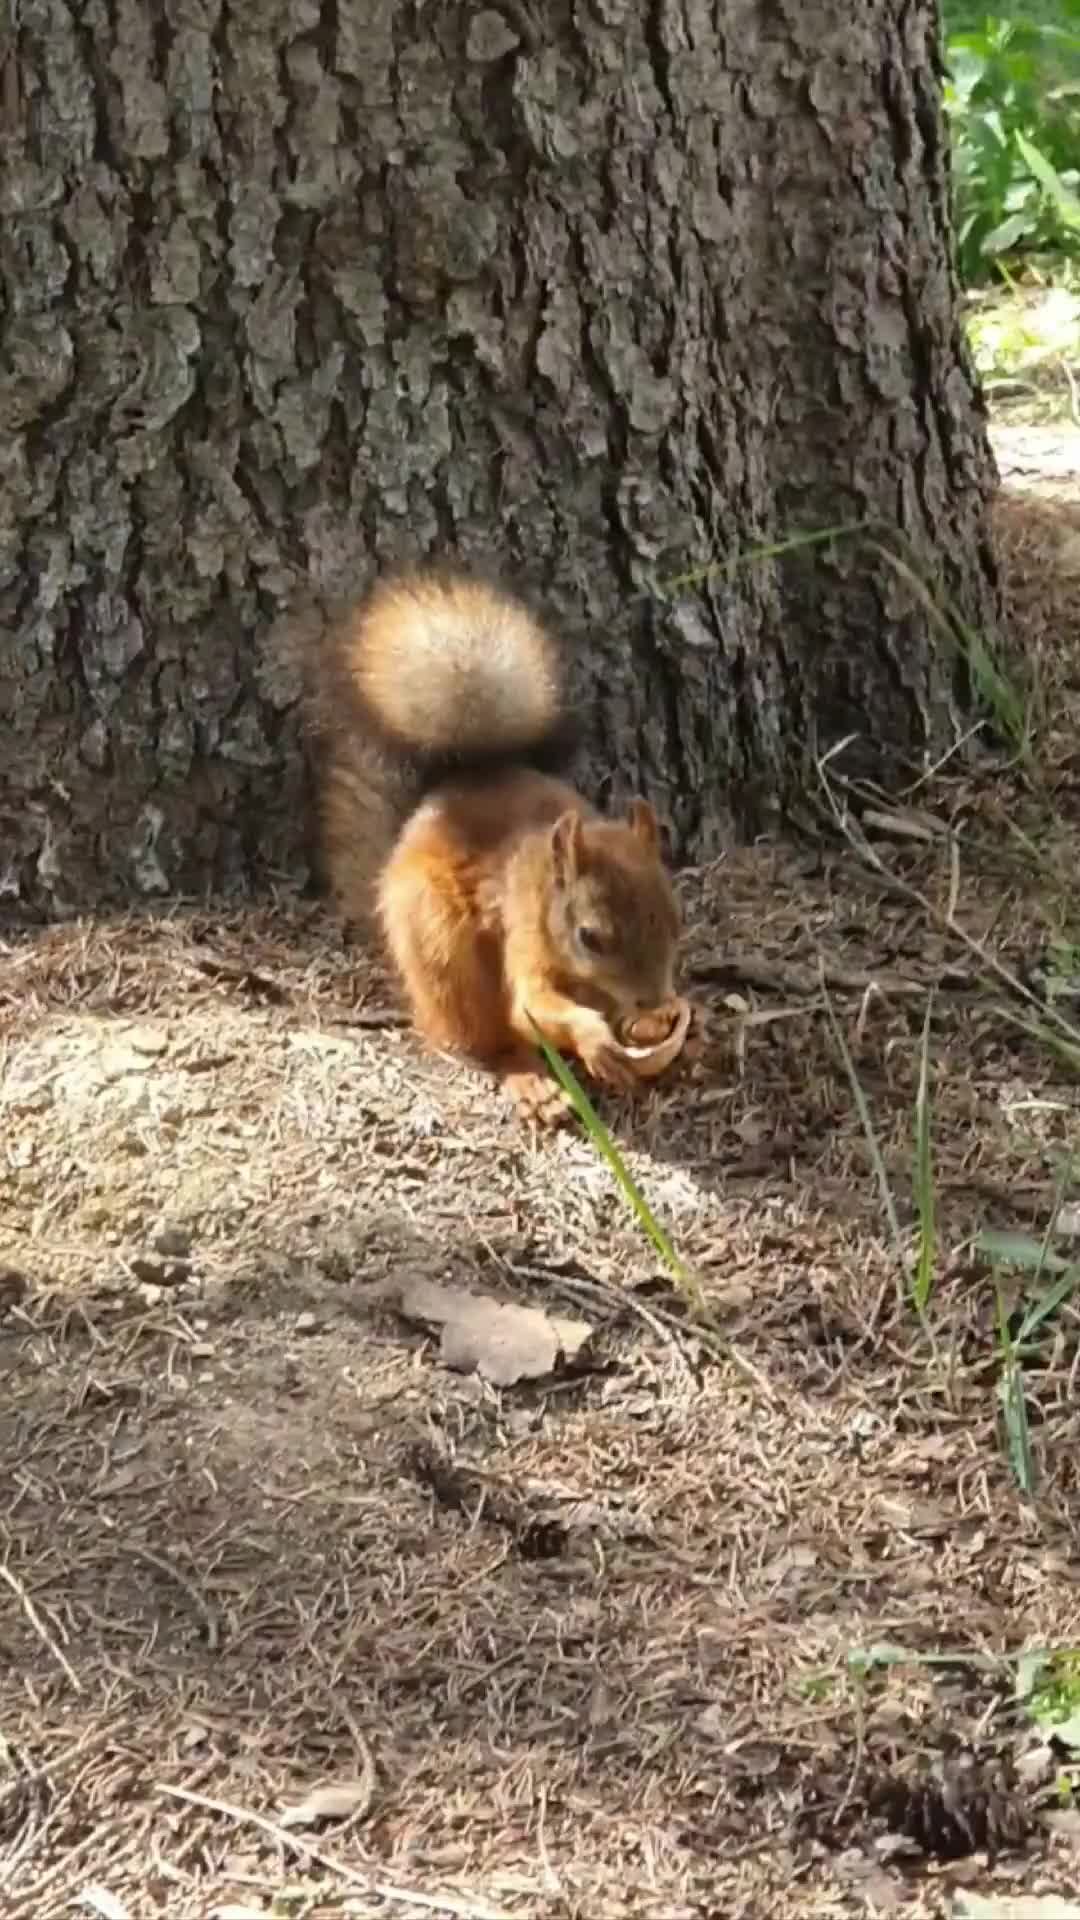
{"x":566,"y":845}
{"x":644,"y":825}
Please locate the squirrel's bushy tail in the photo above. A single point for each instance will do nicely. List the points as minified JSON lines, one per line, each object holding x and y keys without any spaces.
{"x":449,"y":669}
{"x":431,"y":677}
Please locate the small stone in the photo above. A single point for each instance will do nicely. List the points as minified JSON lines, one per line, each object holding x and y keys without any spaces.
{"x":14,"y":1287}
{"x":147,"y":1039}
{"x":145,"y":1267}
{"x":162,"y":1273}
{"x":173,"y":1242}
{"x":306,"y":1323}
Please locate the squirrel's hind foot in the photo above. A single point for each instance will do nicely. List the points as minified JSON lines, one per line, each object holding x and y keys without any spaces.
{"x":536,"y":1097}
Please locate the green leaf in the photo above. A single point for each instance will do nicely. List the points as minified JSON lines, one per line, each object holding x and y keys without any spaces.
{"x":886,"y":1653}
{"x":1012,"y":229}
{"x":1051,"y":1300}
{"x":1067,"y":204}
{"x":1029,"y":1668}
{"x":1019,"y":1250}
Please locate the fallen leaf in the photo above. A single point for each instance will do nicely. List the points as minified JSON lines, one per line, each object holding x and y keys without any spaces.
{"x":1015,"y":1906}
{"x":1065,"y":1731}
{"x":1065,"y":1822}
{"x":502,"y":1342}
{"x":101,"y":1901}
{"x":1035,"y":1766}
{"x":338,"y":1800}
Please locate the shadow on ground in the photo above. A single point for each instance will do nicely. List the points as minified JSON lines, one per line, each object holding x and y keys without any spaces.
{"x":593,"y":1635}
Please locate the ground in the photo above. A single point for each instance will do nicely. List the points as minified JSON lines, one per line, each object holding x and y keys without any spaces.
{"x":587,"y":1645}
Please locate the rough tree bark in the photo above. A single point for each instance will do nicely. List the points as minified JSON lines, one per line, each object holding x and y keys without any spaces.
{"x":602,"y":289}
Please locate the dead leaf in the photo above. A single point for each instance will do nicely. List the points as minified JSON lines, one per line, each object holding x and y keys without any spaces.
{"x":903,"y":823}
{"x":101,"y":1901}
{"x":1065,"y":1822}
{"x":881,"y":1890}
{"x":1035,"y":1766}
{"x":1015,"y":1906}
{"x":502,"y":1342}
{"x":148,"y":1039}
{"x":337,"y":1800}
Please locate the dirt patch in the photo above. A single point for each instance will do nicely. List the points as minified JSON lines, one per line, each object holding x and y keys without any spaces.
{"x":588,"y":1646}
{"x":235,"y":1572}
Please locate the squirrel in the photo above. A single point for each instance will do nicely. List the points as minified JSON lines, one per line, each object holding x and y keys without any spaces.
{"x":502,"y":896}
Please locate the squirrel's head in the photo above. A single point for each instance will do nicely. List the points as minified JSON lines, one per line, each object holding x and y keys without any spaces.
{"x":613,"y":911}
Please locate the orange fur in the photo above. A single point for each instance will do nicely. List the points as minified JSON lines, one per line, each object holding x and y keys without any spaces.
{"x":504,"y":900}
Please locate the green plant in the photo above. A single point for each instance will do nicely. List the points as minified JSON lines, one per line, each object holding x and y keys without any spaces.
{"x":917,"y":1267}
{"x":923,"y":1277}
{"x":1009,"y":707}
{"x":1013,"y":101}
{"x":1020,"y":1250}
{"x":605,"y":1146}
{"x":1046,"y":1681}
{"x":1048,"y":1685}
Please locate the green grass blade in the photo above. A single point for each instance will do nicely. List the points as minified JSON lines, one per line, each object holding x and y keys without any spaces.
{"x":1014,"y":1402}
{"x":1041,"y":1310}
{"x":878,"y":1163}
{"x":924,"y":1173}
{"x":888,"y":1653}
{"x":1018,"y":1250}
{"x":769,"y":551}
{"x":602,"y":1140}
{"x":1066,"y":1050}
{"x":1018,"y":1433}
{"x":1067,"y":204}
{"x":998,"y":694}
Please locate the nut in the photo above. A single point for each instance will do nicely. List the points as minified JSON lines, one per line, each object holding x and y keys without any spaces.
{"x":652,"y":1056}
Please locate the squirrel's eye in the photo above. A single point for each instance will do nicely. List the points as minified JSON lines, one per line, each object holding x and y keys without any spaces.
{"x":592,"y":941}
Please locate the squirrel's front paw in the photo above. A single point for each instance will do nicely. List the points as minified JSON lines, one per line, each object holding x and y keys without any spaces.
{"x":603,"y":1058}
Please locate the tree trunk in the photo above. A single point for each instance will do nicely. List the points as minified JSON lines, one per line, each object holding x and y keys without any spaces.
{"x":601,"y":290}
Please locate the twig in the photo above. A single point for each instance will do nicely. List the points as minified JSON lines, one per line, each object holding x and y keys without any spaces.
{"x":210,"y":1625}
{"x":1074,"y":409}
{"x":666,"y":1326}
{"x":805,"y":980}
{"x":38,"y":1624}
{"x":660,"y":1319}
{"x":431,"y":1902}
{"x":947,"y":922}
{"x":857,"y":1759}
{"x":375,"y":1021}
